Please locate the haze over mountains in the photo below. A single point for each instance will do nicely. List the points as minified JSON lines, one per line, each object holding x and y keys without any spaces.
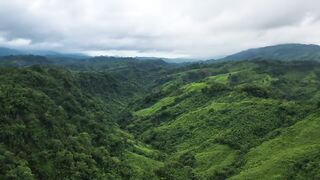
{"x":276,"y":52}
{"x":7,"y":52}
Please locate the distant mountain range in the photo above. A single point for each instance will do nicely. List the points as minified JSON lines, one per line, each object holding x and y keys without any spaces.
{"x":9,"y":52}
{"x":284,"y":52}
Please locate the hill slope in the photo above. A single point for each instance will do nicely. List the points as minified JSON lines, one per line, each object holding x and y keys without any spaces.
{"x":286,"y":52}
{"x":220,"y":126}
{"x":56,"y":123}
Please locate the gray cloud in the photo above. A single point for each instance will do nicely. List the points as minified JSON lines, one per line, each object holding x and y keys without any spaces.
{"x":172,"y":28}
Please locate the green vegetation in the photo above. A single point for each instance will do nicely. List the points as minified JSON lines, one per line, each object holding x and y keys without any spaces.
{"x":124,"y":118}
{"x":56,"y":123}
{"x":227,"y":121}
{"x":156,"y":107}
{"x":291,"y":154}
{"x":285,"y":52}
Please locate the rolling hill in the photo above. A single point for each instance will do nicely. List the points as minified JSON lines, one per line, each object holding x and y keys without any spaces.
{"x":286,"y":52}
{"x":240,"y":120}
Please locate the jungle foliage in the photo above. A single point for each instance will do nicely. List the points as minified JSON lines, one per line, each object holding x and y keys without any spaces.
{"x":124,"y":118}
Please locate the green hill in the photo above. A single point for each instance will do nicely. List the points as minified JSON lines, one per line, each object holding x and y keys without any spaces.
{"x":124,"y":118}
{"x":56,"y":123}
{"x":226,"y":124}
{"x":286,"y":52}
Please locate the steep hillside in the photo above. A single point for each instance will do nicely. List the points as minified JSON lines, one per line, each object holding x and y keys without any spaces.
{"x":222,"y":125}
{"x":54,"y":124}
{"x":286,"y":52}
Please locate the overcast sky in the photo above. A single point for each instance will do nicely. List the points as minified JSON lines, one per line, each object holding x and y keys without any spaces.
{"x":166,"y":28}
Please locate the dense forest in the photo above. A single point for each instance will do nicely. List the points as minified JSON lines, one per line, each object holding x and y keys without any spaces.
{"x":127,"y":118}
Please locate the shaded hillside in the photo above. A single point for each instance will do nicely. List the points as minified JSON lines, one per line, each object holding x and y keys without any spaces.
{"x":24,"y":60}
{"x":54,"y":124}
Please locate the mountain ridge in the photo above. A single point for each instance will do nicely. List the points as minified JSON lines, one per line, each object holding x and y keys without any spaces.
{"x":290,"y":51}
{"x":4,"y":51}
{"x":286,"y":52}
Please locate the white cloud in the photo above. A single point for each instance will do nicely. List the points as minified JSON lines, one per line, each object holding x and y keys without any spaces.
{"x":132,"y":53}
{"x":171,"y":28}
{"x":15,"y":43}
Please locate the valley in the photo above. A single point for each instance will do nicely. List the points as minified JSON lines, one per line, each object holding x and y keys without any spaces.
{"x":127,"y":118}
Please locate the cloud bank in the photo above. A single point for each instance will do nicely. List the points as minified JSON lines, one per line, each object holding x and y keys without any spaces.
{"x":167,"y":28}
